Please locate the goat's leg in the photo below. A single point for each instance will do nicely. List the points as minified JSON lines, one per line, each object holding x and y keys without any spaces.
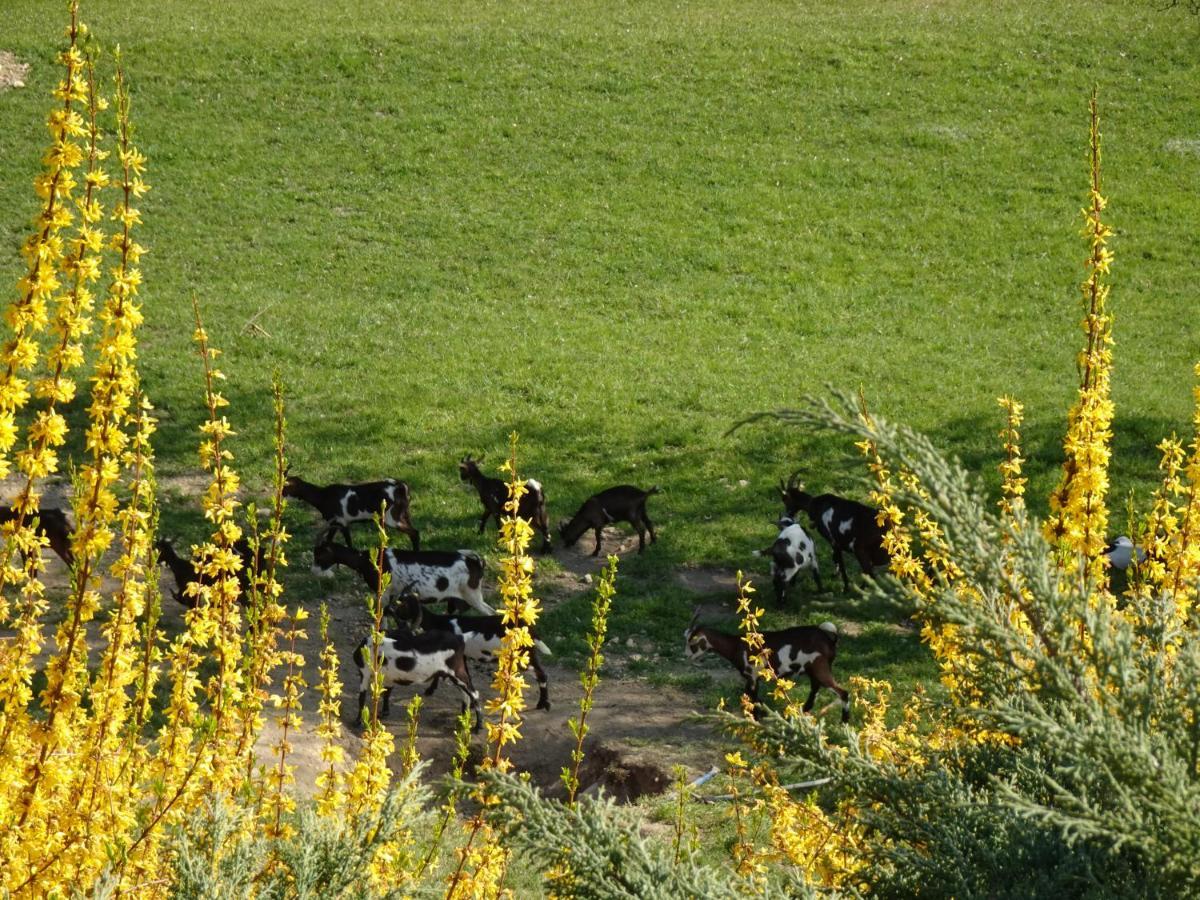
{"x":641,"y":530}
{"x":816,"y":574}
{"x":821,"y":675}
{"x":387,"y":697}
{"x":487,"y":514}
{"x":405,"y":526}
{"x":599,"y":530}
{"x":462,"y":681}
{"x":542,"y":682}
{"x":433,"y":684}
{"x":345,"y":529}
{"x":840,"y":563}
{"x":779,"y":582}
{"x":650,"y":525}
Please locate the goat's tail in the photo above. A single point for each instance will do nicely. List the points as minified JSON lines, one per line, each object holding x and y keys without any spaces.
{"x":830,"y":629}
{"x":542,"y":648}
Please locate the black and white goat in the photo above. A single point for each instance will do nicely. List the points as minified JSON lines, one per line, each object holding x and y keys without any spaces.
{"x":805,"y":649}
{"x":623,"y":503}
{"x":1120,"y":553}
{"x":792,"y":553}
{"x":53,"y":525}
{"x":409,"y":658}
{"x":451,"y":575}
{"x":493,"y":494}
{"x":341,"y":504}
{"x":846,"y":524}
{"x":482,"y":636}
{"x":184,"y":570}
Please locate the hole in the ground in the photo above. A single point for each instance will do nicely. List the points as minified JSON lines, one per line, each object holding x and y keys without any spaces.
{"x":623,"y":779}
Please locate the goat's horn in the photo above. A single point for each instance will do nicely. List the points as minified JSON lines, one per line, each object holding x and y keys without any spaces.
{"x":695,"y":616}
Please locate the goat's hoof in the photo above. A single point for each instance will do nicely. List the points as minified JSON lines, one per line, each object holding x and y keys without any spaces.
{"x":545,"y":704}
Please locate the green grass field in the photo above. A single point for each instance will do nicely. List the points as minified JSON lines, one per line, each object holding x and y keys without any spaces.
{"x":619,"y":228}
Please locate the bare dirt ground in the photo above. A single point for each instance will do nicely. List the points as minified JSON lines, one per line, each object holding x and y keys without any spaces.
{"x":12,"y":71}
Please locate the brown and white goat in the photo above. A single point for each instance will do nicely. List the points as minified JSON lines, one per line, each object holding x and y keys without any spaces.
{"x":846,"y":524}
{"x":482,"y":637}
{"x":409,"y":658}
{"x":804,"y":649}
{"x":623,"y":503}
{"x":341,"y":504}
{"x":52,"y":524}
{"x":493,"y":494}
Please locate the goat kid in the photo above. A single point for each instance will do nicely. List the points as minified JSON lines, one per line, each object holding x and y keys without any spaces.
{"x":792,"y":553}
{"x":493,"y":494}
{"x":53,"y":525}
{"x":846,"y":524}
{"x":806,"y":648}
{"x":623,"y":503}
{"x":451,"y":575}
{"x":184,"y":570}
{"x":482,"y":637}
{"x":409,"y":658}
{"x":341,"y":504}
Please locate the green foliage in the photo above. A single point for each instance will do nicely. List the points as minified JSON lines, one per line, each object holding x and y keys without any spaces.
{"x":1090,"y":774}
{"x":593,"y":850}
{"x":215,"y":858}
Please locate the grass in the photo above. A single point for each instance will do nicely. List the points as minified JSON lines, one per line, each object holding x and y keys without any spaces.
{"x":618,"y":228}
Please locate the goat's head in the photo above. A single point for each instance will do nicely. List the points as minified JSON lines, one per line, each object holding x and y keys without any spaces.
{"x":695,"y":643}
{"x":291,"y":483}
{"x":325,"y":558}
{"x":404,"y":608}
{"x":468,"y":468}
{"x":163,"y":547}
{"x":795,"y":498}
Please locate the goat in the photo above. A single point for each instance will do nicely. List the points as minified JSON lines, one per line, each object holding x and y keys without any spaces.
{"x":792,"y":553}
{"x":1120,"y":553}
{"x":493,"y":493}
{"x":52,"y":524}
{"x":341,"y":504}
{"x":806,"y":649}
{"x":623,"y":503}
{"x":845,"y":524}
{"x":451,"y":575}
{"x":184,"y":570}
{"x":482,"y":636}
{"x":410,"y":658}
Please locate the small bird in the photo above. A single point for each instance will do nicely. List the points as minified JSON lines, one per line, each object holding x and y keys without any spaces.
{"x":1120,"y":552}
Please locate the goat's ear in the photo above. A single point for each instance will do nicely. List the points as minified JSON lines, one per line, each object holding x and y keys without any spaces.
{"x":695,"y":617}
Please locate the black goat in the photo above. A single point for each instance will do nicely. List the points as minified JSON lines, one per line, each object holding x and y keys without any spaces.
{"x":341,"y":504}
{"x":451,"y":575}
{"x":493,"y":494}
{"x":623,"y":503}
{"x":53,"y":525}
{"x":482,"y":636}
{"x":806,"y":648}
{"x":845,"y":524}
{"x":184,"y":570}
{"x":410,"y":658}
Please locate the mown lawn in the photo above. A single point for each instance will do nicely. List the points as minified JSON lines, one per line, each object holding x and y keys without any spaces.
{"x":617,"y":228}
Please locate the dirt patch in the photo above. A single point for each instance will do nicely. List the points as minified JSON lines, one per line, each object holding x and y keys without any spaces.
{"x":12,"y":71}
{"x":620,"y":777}
{"x":707,"y":581}
{"x":615,"y":540}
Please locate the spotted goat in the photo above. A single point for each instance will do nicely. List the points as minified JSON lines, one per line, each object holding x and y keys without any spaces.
{"x":792,"y":553}
{"x":455,"y":576}
{"x":409,"y":658}
{"x":482,"y":637}
{"x":623,"y":503}
{"x":342,"y":504}
{"x":183,"y":570}
{"x":493,"y":494}
{"x":804,"y":649}
{"x":848,"y":526}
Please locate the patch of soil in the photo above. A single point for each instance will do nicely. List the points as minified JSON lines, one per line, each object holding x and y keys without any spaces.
{"x":611,"y":770}
{"x":12,"y":71}
{"x":615,"y":540}
{"x":707,"y":581}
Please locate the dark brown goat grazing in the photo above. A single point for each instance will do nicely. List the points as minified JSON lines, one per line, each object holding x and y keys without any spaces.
{"x":341,"y":504}
{"x":493,"y":494}
{"x":846,"y":524}
{"x":184,"y":570}
{"x":806,"y":648}
{"x":52,"y":524}
{"x":623,"y":503}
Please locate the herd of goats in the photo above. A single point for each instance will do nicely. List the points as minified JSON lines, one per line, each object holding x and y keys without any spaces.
{"x":420,"y":647}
